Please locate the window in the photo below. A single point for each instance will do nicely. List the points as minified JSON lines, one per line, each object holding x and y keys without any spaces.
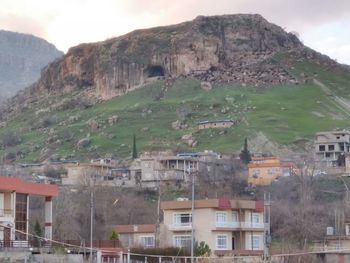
{"x":183,"y":219}
{"x":147,"y":241}
{"x":342,"y":148}
{"x":331,"y":147}
{"x":255,"y":218}
{"x":255,"y":242}
{"x":221,"y":242}
{"x":322,"y":148}
{"x":21,"y":215}
{"x":221,"y":217}
{"x":328,"y":155}
{"x":256,"y":173}
{"x":182,"y":241}
{"x":235,"y":216}
{"x":270,"y":171}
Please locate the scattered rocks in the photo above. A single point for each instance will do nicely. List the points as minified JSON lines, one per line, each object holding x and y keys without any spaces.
{"x":73,"y":118}
{"x":178,"y":125}
{"x":205,"y":85}
{"x":83,"y":143}
{"x":189,"y":140}
{"x":113,"y":120}
{"x":93,"y":124}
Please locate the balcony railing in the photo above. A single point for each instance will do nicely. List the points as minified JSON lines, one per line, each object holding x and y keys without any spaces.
{"x":182,"y":226}
{"x":240,"y":225}
{"x":6,"y":213}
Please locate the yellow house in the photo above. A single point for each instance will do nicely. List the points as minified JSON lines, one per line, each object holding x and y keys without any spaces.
{"x":264,"y":170}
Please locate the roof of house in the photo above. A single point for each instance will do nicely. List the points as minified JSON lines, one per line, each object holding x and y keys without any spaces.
{"x":20,"y":186}
{"x":220,"y":203}
{"x":145,"y":228}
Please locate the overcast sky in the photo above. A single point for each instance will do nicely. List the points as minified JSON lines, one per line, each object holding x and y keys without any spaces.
{"x":323,"y":25}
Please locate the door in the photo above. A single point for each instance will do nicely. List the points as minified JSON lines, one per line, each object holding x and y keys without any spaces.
{"x":233,"y":243}
{"x":7,"y":237}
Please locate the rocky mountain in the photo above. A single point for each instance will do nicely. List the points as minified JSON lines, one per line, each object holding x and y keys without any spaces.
{"x":226,"y":48}
{"x":159,"y":83}
{"x":22,"y":57}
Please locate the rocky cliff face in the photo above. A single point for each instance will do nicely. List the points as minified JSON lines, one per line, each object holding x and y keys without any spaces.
{"x":218,"y":48}
{"x":21,"y":59}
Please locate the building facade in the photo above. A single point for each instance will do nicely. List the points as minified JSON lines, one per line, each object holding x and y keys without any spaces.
{"x":264,"y":170}
{"x":229,"y":227}
{"x":215,"y":124}
{"x":132,"y":236}
{"x":14,"y":209}
{"x":330,"y":145}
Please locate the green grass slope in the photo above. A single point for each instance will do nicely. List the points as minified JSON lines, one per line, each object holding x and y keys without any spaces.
{"x":285,"y":114}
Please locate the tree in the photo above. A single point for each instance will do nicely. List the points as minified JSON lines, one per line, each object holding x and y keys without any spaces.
{"x":114,"y":235}
{"x":202,"y":249}
{"x":38,"y":232}
{"x":245,"y":155}
{"x":134,"y":151}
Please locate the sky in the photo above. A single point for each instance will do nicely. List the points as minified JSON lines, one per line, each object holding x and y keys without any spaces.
{"x":323,"y":25}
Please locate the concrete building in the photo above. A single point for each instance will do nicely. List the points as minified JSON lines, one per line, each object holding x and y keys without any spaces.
{"x":215,"y":124}
{"x":229,"y":227}
{"x":14,"y":209}
{"x":264,"y":170}
{"x":137,"y":235}
{"x":330,"y":145}
{"x":166,"y":168}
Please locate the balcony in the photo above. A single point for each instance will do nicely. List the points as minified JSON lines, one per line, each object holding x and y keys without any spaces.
{"x":8,"y":213}
{"x":240,"y":225}
{"x":181,"y":227}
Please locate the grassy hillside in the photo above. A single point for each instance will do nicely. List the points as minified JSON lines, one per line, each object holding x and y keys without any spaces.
{"x":285,"y":115}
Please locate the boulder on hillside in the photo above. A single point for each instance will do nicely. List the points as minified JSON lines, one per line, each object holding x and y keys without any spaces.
{"x":83,"y":143}
{"x":113,"y":120}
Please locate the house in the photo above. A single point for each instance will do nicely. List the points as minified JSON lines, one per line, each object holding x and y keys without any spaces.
{"x":137,"y":235}
{"x":264,"y":170}
{"x":103,"y":172}
{"x":165,"y":168}
{"x":229,"y":227}
{"x":330,"y":145}
{"x":14,"y":209}
{"x":216,"y":124}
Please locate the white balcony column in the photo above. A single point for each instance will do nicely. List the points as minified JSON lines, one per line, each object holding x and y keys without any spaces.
{"x":48,"y":217}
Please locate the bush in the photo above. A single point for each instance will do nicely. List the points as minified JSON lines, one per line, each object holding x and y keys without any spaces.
{"x":10,"y":139}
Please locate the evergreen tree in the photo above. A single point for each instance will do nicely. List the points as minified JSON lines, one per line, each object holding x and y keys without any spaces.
{"x":134,"y":151}
{"x":245,"y":155}
{"x":114,"y":235}
{"x":37,"y":229}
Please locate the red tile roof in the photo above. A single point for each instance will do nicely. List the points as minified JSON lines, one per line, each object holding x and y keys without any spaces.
{"x":20,"y":186}
{"x":145,"y":228}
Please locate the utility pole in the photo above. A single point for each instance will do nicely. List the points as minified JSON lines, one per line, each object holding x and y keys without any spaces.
{"x":192,"y":221}
{"x":91,"y":218}
{"x":267,"y":217}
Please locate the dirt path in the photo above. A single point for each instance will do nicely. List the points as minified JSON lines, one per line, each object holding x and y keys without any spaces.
{"x":342,"y":104}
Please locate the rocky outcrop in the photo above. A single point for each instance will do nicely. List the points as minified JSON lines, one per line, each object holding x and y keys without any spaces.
{"x":22,"y":57}
{"x":209,"y":48}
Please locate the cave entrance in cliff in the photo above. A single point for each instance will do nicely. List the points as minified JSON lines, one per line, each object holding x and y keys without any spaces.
{"x":154,"y":71}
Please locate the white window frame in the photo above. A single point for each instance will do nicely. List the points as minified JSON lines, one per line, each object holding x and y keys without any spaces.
{"x":221,"y":246}
{"x":182,"y":237}
{"x":255,"y":242}
{"x":235,"y":216}
{"x":177,"y":217}
{"x":144,"y":243}
{"x":221,"y":217}
{"x":254,"y":217}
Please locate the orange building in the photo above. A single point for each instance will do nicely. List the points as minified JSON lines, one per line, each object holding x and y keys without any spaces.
{"x":264,"y":170}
